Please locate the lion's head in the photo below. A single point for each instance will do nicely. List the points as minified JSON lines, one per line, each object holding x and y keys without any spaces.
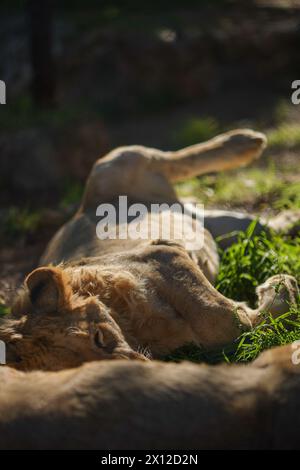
{"x":52,"y":327}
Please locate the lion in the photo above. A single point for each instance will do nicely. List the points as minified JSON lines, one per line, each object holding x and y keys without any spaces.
{"x":93,"y":298}
{"x":135,"y":405}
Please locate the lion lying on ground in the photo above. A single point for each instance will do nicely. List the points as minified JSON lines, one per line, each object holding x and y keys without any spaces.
{"x":125,"y":298}
{"x":154,"y":405}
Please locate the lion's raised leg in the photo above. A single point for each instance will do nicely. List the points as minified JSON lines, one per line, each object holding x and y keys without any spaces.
{"x":224,"y":152}
{"x":145,"y":174}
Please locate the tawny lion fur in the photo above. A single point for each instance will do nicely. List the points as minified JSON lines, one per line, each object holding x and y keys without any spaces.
{"x":98,"y":299}
{"x":154,"y":405}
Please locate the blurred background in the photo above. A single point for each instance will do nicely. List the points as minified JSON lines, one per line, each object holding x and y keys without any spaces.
{"x":83,"y":77}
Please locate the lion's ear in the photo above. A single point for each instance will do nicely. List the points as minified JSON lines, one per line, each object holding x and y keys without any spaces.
{"x":49,"y":289}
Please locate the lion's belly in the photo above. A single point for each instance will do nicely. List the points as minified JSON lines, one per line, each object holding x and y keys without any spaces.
{"x":78,"y":239}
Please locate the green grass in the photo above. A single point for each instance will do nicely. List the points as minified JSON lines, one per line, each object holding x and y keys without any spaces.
{"x":196,"y":130}
{"x":72,"y":193}
{"x":253,"y":259}
{"x":282,"y":110}
{"x":269,"y":333}
{"x":247,"y":263}
{"x":249,"y":187}
{"x":19,"y":222}
{"x":22,"y":114}
{"x":285,"y":135}
{"x":193,"y":353}
{"x":289,"y":197}
{"x":239,"y":187}
{"x":4,"y":310}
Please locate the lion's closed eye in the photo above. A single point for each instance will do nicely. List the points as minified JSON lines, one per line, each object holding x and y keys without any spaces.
{"x":98,"y":339}
{"x":104,"y":337}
